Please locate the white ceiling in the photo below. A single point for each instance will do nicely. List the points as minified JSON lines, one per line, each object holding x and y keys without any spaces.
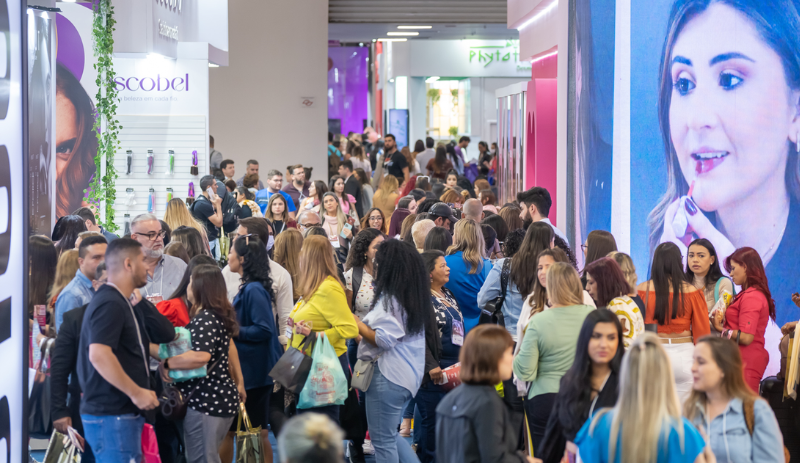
{"x":418,"y":11}
{"x":349,"y":32}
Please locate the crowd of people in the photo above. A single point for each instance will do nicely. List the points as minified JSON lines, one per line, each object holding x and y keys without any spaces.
{"x":405,"y":261}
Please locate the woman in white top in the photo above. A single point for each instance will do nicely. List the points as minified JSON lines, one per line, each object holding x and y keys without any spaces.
{"x":367,"y":192}
{"x":607,"y":285}
{"x":334,"y":220}
{"x":538,"y":301}
{"x":346,"y":201}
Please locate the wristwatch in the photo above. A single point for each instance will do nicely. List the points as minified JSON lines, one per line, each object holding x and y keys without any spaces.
{"x":166,"y":364}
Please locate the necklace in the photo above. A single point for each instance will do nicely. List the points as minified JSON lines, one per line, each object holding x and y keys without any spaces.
{"x":769,"y":253}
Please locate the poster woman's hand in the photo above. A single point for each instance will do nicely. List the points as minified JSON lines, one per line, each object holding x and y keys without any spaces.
{"x":668,"y":232}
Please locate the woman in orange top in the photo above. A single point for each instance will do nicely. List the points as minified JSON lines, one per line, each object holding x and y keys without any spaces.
{"x":678,"y":309}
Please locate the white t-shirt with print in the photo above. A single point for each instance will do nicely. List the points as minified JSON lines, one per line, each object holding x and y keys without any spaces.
{"x":365,"y":293}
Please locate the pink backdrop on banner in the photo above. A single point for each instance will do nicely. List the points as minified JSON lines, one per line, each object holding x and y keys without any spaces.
{"x":541,"y":140}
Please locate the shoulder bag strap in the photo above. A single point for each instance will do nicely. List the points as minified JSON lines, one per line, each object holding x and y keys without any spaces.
{"x":208,"y":373}
{"x":716,"y":290}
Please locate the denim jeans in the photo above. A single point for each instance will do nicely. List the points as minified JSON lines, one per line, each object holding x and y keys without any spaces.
{"x":114,"y":438}
{"x":385,"y":404}
{"x":214,"y":247}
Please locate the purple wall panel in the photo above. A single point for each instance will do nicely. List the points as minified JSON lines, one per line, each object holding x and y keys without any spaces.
{"x":348,"y":87}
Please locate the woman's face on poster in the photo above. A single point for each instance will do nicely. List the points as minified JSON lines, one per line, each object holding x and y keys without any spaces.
{"x":66,"y":131}
{"x":732,"y":113}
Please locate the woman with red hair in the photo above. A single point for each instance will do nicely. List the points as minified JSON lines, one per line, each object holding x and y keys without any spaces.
{"x":745,"y":320}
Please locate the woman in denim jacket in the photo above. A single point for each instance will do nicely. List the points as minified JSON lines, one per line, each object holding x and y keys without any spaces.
{"x":721,"y":404}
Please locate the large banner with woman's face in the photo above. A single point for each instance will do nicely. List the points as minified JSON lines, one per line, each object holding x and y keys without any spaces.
{"x":76,"y":143}
{"x":714,"y":110}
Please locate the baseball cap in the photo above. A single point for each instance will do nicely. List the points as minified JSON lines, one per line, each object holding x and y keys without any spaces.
{"x":442,"y":210}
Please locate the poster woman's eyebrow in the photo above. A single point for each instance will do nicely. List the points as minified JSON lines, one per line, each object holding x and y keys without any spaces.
{"x":729,"y":56}
{"x":680,"y":59}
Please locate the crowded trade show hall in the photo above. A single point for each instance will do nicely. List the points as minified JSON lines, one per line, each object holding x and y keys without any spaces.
{"x":399,"y":231}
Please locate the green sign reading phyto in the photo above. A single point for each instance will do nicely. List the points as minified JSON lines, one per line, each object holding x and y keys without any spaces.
{"x":488,"y":54}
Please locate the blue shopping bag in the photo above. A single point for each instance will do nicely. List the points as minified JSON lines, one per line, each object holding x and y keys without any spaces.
{"x":326,"y":383}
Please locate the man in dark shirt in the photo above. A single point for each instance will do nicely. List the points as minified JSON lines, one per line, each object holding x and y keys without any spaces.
{"x":394,"y":162}
{"x":112,"y":359}
{"x":352,"y":186}
{"x":297,"y":189}
{"x":208,"y":211}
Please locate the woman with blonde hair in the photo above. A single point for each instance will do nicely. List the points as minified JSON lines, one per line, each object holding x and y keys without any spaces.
{"x":548,"y":346}
{"x":322,"y":303}
{"x":386,"y":196}
{"x":287,"y":254}
{"x":629,"y":271}
{"x":646,"y":424}
{"x":468,"y":269}
{"x":411,"y":159}
{"x":334,"y":220}
{"x":177,"y":215}
{"x":66,"y":269}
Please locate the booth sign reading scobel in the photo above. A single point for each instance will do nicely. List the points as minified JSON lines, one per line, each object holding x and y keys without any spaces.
{"x":13,"y":230}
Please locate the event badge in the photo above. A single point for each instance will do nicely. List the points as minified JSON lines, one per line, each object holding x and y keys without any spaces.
{"x":334,"y":241}
{"x":155,"y":298}
{"x":458,"y":333}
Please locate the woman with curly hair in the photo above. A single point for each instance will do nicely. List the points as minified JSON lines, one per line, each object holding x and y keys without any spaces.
{"x":257,"y":341}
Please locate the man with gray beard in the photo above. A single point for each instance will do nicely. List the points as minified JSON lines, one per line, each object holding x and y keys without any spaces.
{"x":164,"y":273}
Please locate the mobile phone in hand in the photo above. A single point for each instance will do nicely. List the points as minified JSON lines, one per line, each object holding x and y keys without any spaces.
{"x":348,"y":227}
{"x":211,"y":195}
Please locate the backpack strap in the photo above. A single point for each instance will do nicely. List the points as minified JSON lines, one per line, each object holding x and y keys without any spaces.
{"x":504,"y":275}
{"x":358,"y":276}
{"x":748,"y":406}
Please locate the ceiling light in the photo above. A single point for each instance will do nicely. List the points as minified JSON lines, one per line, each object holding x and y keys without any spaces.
{"x":391,"y":80}
{"x":389,"y":39}
{"x":403,"y":33}
{"x":212,"y":65}
{"x":414,"y":27}
{"x":431,"y":79}
{"x":538,"y":15}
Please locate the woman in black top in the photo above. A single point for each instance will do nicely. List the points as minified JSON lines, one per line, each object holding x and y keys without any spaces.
{"x":589,"y":385}
{"x":214,"y":399}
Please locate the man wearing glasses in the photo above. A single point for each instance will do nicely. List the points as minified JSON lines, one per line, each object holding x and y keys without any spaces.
{"x":308,"y":219}
{"x":164,"y":273}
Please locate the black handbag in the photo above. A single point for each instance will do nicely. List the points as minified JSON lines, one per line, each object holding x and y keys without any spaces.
{"x":492,"y":312}
{"x":40,"y":422}
{"x":293,"y":367}
{"x":173,"y":404}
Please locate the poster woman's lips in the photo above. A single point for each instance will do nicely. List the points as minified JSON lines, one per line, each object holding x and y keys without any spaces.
{"x":707,"y":159}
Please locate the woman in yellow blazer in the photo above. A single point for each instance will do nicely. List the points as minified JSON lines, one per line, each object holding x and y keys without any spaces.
{"x":322,"y":307}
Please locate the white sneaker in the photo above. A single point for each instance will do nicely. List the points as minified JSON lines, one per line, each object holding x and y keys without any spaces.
{"x":368,"y":448}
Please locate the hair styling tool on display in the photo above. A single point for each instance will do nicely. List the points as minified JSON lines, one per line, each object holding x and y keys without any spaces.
{"x":171,"y":162}
{"x":169,"y":195}
{"x":191,"y":190}
{"x":130,"y":160}
{"x":151,"y":159}
{"x":680,"y":223}
{"x":126,"y":224}
{"x":193,"y":170}
{"x":151,"y":202}
{"x":131,"y":197}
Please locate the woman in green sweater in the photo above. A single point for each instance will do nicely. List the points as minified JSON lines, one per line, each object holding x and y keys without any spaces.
{"x":548,"y":347}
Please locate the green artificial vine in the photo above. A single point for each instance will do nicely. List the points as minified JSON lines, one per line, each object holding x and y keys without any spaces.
{"x":102,"y":190}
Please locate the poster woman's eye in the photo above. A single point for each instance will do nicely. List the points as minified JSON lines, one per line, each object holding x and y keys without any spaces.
{"x":684,"y":85}
{"x":729,"y":81}
{"x":64,"y":149}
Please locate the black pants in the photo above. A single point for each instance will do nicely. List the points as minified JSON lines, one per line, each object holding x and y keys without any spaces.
{"x":538,"y":410}
{"x":428,"y":398}
{"x":516,"y":411}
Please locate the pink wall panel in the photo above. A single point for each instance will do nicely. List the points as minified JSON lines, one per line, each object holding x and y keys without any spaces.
{"x":541,"y":147}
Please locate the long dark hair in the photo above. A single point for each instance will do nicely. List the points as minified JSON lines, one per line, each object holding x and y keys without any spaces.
{"x":321,"y":188}
{"x":210,"y":293}
{"x":195,"y":261}
{"x":575,"y":393}
{"x":191,"y":239}
{"x":80,"y":166}
{"x":399,"y":267}
{"x":43,"y":261}
{"x":599,"y":244}
{"x":525,"y":261}
{"x":70,"y":227}
{"x":667,"y":269}
{"x":499,"y":225}
{"x":777,"y":22}
{"x":611,"y":282}
{"x":438,"y":239}
{"x":357,"y":257}
{"x":714,"y":271}
{"x":255,"y":267}
{"x":419,"y":146}
{"x":440,"y":158}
